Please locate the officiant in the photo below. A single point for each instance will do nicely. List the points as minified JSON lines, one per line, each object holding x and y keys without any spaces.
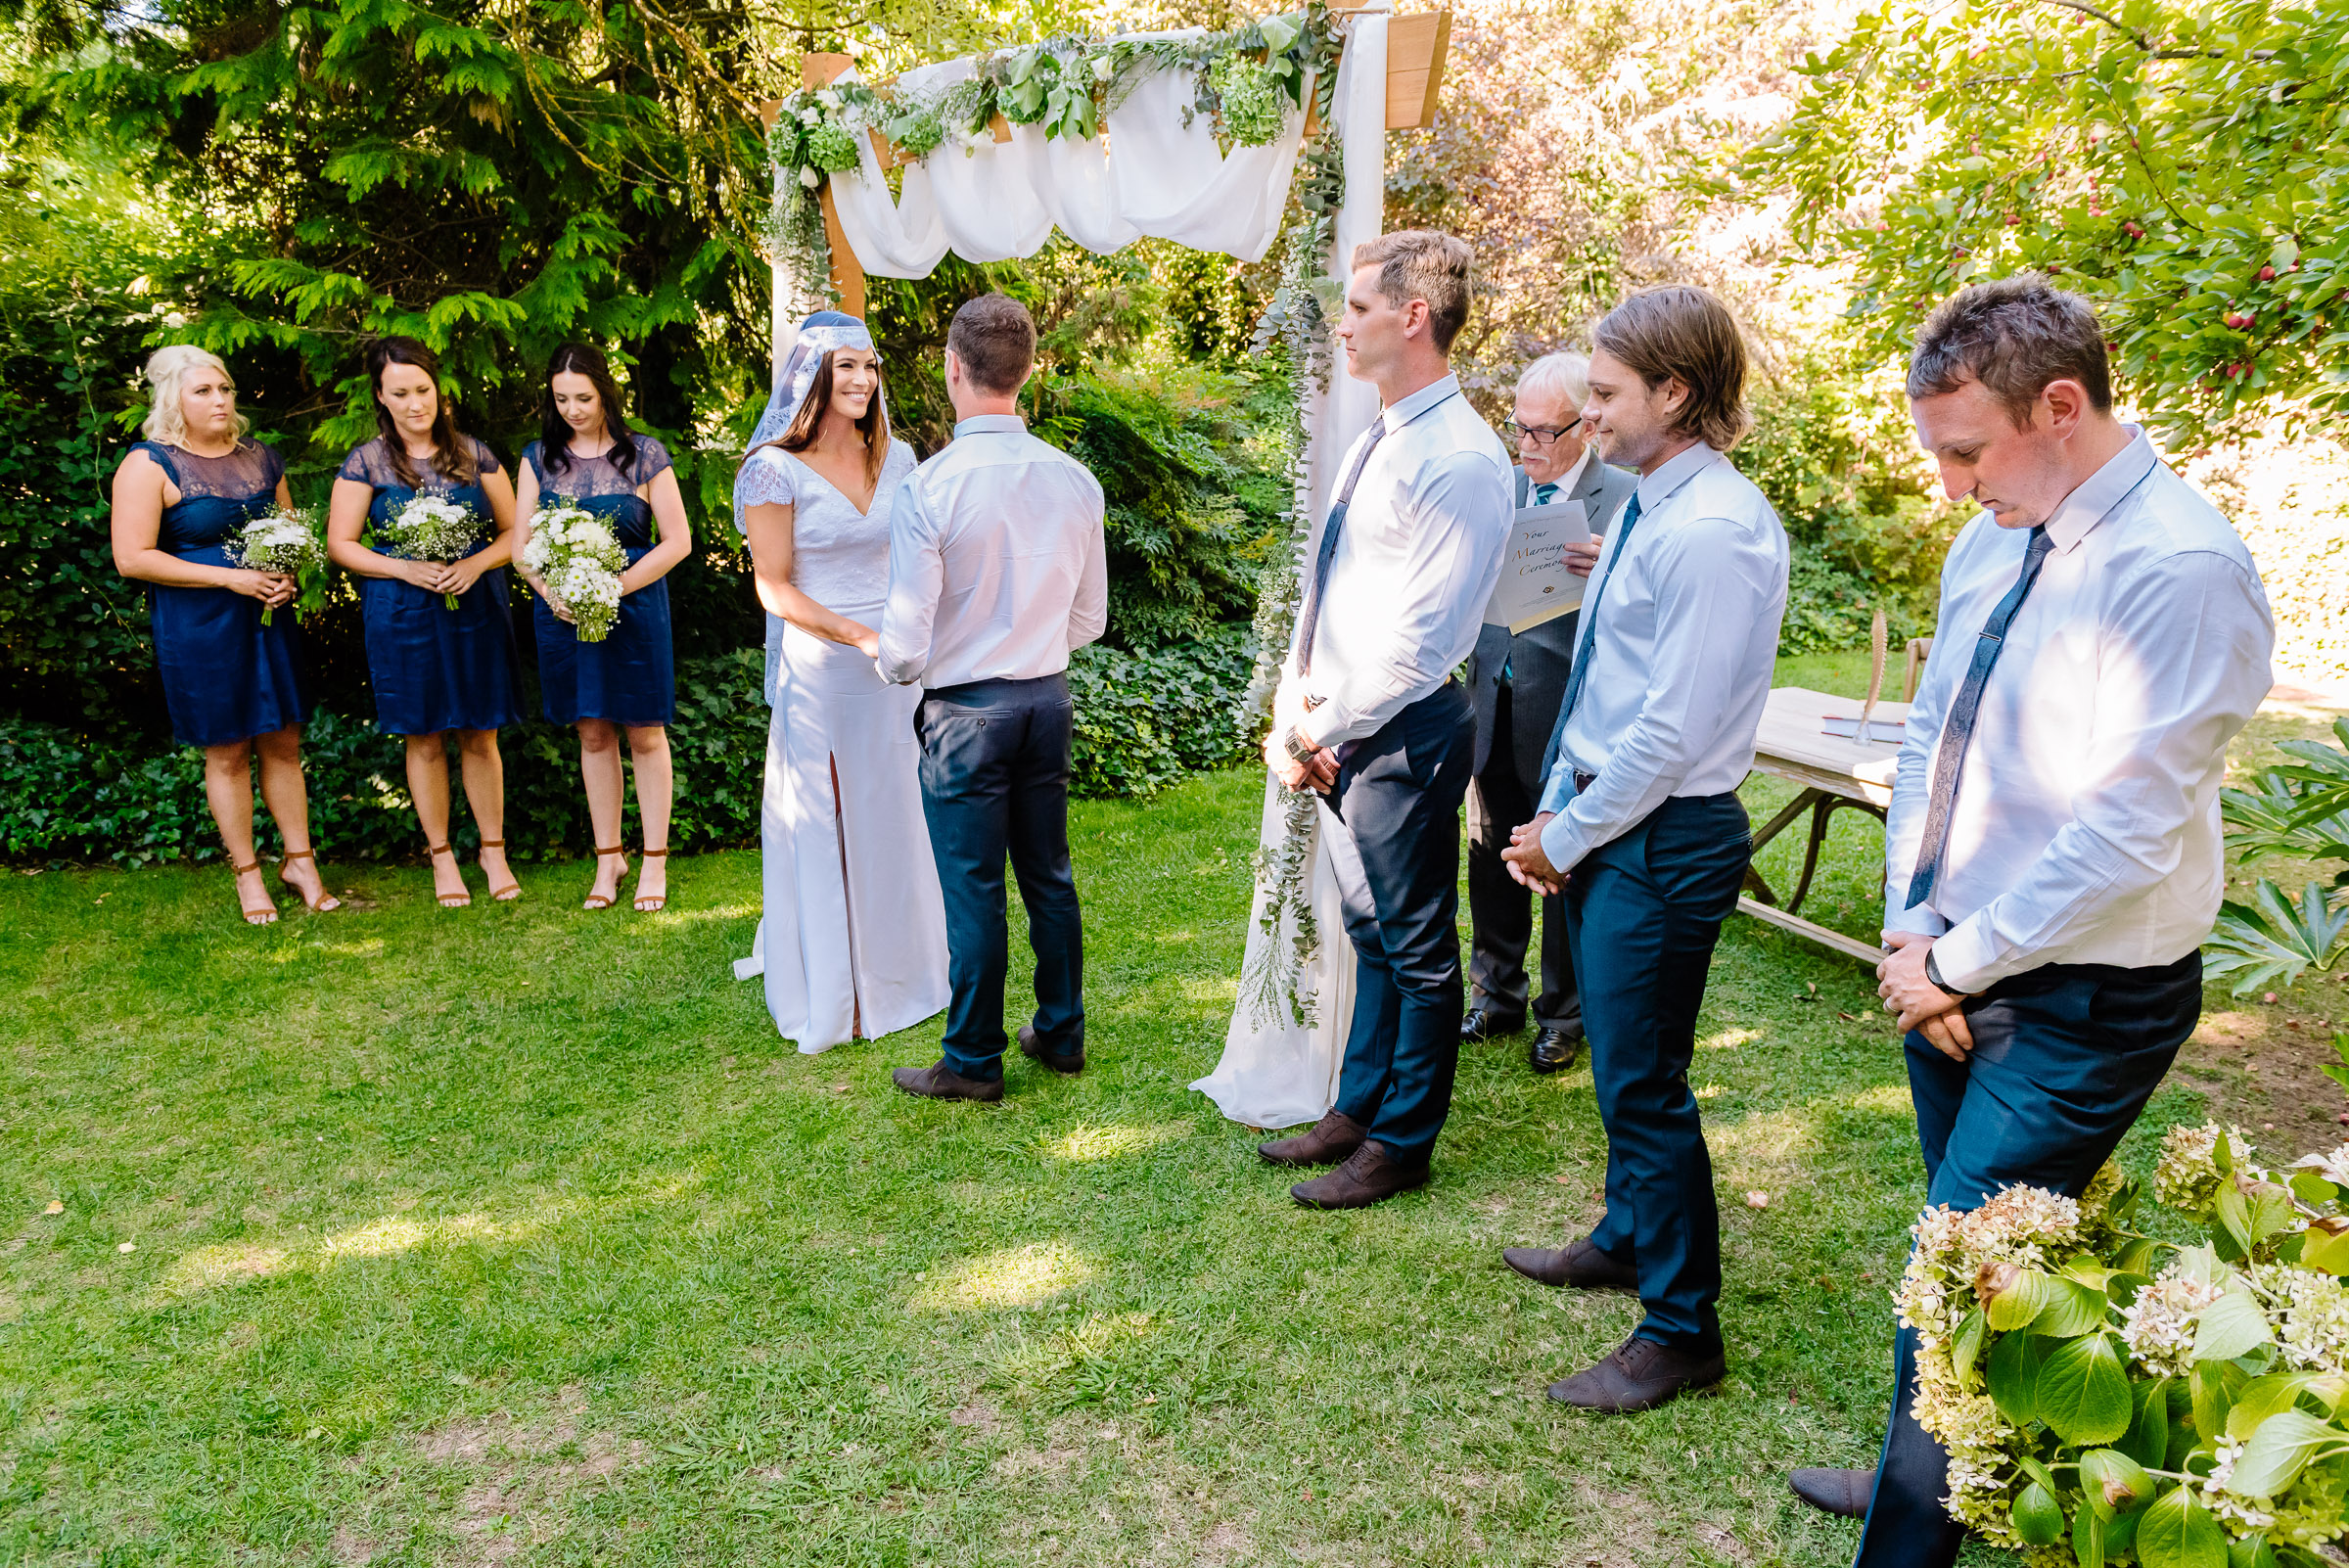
{"x":1515,"y":682}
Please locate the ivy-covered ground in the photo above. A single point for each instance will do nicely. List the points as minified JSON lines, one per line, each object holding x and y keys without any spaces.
{"x":515,"y":1235}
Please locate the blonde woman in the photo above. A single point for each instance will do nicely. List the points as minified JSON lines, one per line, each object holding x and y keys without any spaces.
{"x":231,"y":684}
{"x":853,"y":940}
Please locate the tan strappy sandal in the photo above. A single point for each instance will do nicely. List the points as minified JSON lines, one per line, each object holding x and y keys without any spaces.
{"x":512,"y":890}
{"x":653,"y":903}
{"x":267,"y":913}
{"x":449,"y":900}
{"x":596,"y":900}
{"x":326,"y":900}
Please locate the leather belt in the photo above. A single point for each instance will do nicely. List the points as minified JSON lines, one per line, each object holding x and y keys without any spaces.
{"x":1582,"y":780}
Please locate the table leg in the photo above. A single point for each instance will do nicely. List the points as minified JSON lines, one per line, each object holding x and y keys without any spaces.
{"x":1819,"y":814}
{"x":1803,"y":801}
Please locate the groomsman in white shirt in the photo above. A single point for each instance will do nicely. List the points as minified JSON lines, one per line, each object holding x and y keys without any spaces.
{"x":2053,"y":857}
{"x":1367,"y":712}
{"x":1640,"y":822}
{"x":997,"y":568}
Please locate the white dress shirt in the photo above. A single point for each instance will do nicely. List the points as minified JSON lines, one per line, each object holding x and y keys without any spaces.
{"x":1563,"y":488}
{"x":998,"y":562}
{"x":1686,"y":638}
{"x":2085,"y":827}
{"x":1416,"y":562}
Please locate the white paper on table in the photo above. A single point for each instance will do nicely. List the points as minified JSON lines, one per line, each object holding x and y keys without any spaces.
{"x":1883,"y":731}
{"x":1535,"y":583}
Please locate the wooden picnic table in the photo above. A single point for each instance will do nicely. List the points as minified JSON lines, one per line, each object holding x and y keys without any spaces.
{"x":1833,"y":774}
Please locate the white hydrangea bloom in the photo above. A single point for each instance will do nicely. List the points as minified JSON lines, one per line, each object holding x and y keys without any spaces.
{"x":2158,"y":1327}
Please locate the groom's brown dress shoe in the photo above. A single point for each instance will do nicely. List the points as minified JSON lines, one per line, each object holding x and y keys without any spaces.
{"x":943,"y":1083}
{"x":1369,"y":1176}
{"x":1844,"y":1492}
{"x":1332,"y":1138}
{"x":1638,"y":1374}
{"x":1059,"y":1062}
{"x":1579,"y":1264}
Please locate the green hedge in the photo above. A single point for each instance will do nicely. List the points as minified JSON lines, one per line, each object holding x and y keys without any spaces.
{"x":1143,"y":720}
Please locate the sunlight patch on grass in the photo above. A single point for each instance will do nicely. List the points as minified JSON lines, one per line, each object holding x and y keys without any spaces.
{"x":1017,"y":1276}
{"x":1109,"y":1141}
{"x":1890,"y":1098}
{"x":1215,"y":991}
{"x":210,"y":1268}
{"x":397,"y":1234}
{"x":1729,"y":1039}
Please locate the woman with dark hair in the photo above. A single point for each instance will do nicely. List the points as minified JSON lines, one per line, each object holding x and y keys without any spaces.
{"x":587,"y":456}
{"x":853,"y":940}
{"x":433,"y":668}
{"x":232,"y":682}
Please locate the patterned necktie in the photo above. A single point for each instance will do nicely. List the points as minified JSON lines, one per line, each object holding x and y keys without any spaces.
{"x":1958,"y":729}
{"x":1582,"y":654}
{"x":1311,"y":618}
{"x":1543,"y":494}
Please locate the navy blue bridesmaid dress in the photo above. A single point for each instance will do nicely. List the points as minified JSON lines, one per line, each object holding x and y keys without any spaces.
{"x":432,"y":667}
{"x":226,"y":676}
{"x":630,"y":677}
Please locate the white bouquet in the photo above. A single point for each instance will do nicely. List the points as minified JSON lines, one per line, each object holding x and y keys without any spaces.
{"x":433,"y":527}
{"x":288,"y":545}
{"x":578,"y":558}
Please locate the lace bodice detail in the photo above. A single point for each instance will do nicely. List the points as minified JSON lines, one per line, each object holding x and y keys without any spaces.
{"x":838,"y":556}
{"x":370,"y":464}
{"x":584,"y":478}
{"x":218,"y":495}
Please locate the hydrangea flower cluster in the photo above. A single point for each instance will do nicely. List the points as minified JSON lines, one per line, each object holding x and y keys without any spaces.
{"x":2158,"y":1327}
{"x":577,"y":555}
{"x":434,"y":526}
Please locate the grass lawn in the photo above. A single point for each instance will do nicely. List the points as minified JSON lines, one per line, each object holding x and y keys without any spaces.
{"x":515,"y":1234}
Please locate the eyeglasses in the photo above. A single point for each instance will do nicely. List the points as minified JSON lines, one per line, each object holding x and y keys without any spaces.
{"x":1542,"y":434}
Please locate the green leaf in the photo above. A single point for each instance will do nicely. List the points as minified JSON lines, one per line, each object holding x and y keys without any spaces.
{"x":2263,"y":1396}
{"x":2233,"y":1326}
{"x":2148,"y":1438}
{"x":2013,"y":1376}
{"x":2072,"y":1308}
{"x":2113,"y":1482}
{"x":2178,"y":1532}
{"x":2212,"y":1398}
{"x":2021,"y":1301}
{"x":2082,"y":1390}
{"x":2088,"y":1541}
{"x":2325,"y":1250}
{"x":2282,"y":1446}
{"x":1966,"y":1349}
{"x":2038,"y":1519}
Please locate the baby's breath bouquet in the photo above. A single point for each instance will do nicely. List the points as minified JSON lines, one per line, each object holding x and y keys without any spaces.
{"x":2108,"y":1398}
{"x":286,"y":542}
{"x":576,"y":554}
{"x":434,"y":526}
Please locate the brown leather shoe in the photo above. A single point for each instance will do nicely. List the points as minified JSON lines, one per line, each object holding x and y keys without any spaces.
{"x":1579,"y":1264}
{"x":1334,"y":1137}
{"x":1638,"y":1374}
{"x":943,"y":1083}
{"x":1032,"y":1048}
{"x":1844,"y":1492}
{"x":1369,"y":1176}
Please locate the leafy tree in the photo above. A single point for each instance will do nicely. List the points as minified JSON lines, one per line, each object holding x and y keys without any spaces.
{"x":2185,"y":164}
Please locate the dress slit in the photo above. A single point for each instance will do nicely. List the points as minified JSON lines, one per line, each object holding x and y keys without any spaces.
{"x":840,"y":834}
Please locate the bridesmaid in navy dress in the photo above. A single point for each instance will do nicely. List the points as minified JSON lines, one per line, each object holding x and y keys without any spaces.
{"x":232,"y":685}
{"x":434,"y":669}
{"x":588,"y":455}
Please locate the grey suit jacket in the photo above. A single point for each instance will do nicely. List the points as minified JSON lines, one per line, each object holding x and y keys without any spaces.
{"x":1538,"y":657}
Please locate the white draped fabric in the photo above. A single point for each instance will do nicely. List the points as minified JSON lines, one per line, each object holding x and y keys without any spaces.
{"x":1155,"y":175}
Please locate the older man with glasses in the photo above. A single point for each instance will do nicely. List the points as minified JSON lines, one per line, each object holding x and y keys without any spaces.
{"x":1516,"y":683}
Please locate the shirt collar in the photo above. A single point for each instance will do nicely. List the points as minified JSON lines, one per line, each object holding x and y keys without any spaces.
{"x":1404,"y":410}
{"x":1565,"y":483}
{"x":977,"y":424}
{"x":2101,"y":491}
{"x":1658,"y":488}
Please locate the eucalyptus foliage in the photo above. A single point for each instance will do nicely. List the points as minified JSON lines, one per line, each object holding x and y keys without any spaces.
{"x":2183,"y":162}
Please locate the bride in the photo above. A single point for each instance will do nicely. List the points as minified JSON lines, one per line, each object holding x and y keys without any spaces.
{"x":853,"y":940}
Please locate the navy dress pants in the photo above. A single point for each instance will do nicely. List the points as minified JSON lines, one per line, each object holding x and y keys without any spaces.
{"x":1399,"y":793}
{"x":995,"y":781}
{"x":1643,"y":914}
{"x":2064,"y":1058}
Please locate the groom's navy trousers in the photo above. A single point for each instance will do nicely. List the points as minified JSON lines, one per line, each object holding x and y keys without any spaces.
{"x":1399,"y":793}
{"x":995,"y":781}
{"x":1643,"y":914}
{"x":2064,"y":1058}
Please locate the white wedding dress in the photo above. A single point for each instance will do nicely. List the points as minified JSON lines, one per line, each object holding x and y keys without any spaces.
{"x":852,"y":933}
{"x":1275,"y":1070}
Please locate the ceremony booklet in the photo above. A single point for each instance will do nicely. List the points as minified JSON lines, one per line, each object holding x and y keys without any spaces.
{"x":1883,"y":731}
{"x":1535,"y":585}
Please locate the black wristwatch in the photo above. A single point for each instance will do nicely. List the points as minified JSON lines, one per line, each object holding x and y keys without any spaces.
{"x":1297,"y":746}
{"x":1933,"y":973}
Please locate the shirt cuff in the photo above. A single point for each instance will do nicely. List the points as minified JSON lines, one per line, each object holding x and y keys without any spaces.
{"x":1965,"y":958}
{"x":1923,"y":920}
{"x":1562,"y":843}
{"x":1557,"y":793}
{"x":1317,"y":725}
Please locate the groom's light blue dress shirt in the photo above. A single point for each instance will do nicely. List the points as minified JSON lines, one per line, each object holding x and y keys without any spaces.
{"x":2085,"y":825}
{"x":998,"y":561}
{"x":1683,"y":641}
{"x":1417,"y":561}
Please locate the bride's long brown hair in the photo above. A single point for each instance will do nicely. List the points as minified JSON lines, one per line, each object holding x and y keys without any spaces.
{"x":874,"y":426}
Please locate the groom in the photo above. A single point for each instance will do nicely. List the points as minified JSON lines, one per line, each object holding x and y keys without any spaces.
{"x":997,"y":567}
{"x":1367,"y":712}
